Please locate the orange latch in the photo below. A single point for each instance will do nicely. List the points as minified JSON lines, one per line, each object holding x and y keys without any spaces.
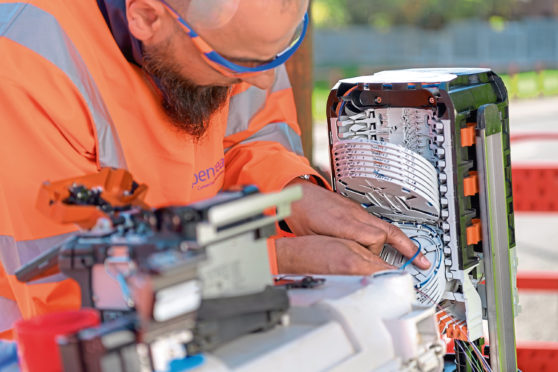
{"x":471,"y":184}
{"x":451,"y":327}
{"x":468,"y":135}
{"x":474,"y":232}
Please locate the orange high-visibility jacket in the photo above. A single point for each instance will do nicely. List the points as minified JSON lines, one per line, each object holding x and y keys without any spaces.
{"x":70,"y":103}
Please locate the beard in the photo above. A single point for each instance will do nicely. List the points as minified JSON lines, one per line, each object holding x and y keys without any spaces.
{"x":189,"y":106}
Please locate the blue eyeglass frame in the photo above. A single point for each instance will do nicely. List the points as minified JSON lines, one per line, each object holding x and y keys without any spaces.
{"x":218,"y":59}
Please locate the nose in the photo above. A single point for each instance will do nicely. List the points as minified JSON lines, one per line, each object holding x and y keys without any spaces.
{"x":263,"y":80}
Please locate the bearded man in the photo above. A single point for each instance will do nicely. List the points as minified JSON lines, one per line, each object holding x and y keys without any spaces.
{"x":190,"y":96}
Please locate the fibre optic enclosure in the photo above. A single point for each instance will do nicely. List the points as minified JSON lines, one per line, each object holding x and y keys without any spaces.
{"x":428,"y":150}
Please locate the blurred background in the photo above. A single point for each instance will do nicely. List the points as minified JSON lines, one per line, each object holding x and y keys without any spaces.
{"x":518,"y":39}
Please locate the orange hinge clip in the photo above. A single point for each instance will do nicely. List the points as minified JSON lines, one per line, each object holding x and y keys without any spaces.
{"x":451,"y":327}
{"x":471,"y":184}
{"x":468,"y":135}
{"x":474,"y":232}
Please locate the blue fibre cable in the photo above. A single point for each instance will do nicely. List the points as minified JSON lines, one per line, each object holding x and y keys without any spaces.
{"x":414,"y":256}
{"x":341,"y":109}
{"x":124,"y":288}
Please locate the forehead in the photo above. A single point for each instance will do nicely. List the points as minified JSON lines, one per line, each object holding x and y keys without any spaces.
{"x":258,"y":28}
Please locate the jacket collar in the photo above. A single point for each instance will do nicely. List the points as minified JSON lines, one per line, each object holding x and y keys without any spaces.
{"x":114,"y":12}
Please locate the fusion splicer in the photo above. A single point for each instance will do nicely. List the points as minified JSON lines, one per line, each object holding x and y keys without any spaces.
{"x":153,"y":263}
{"x":165,"y":292}
{"x":238,"y":292}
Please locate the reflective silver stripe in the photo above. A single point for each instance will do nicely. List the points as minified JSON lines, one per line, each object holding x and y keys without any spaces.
{"x":281,"y":79}
{"x":49,"y":279}
{"x":280,"y":133}
{"x":14,"y":254}
{"x":8,"y":12}
{"x":245,"y":105}
{"x":39,"y":31}
{"x":9,"y":314}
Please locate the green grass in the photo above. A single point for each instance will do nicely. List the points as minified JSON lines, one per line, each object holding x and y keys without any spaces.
{"x":319,"y":100}
{"x":522,"y":85}
{"x":532,"y":84}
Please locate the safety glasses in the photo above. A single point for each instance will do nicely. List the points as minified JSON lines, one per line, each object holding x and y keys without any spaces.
{"x":229,"y":68}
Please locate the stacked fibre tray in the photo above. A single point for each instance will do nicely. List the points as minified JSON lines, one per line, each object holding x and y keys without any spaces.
{"x":384,"y":159}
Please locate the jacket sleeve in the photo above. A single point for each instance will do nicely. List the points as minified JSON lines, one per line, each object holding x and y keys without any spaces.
{"x":45,"y":134}
{"x":262,"y":142}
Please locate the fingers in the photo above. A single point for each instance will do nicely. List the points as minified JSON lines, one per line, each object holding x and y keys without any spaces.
{"x":322,"y":212}
{"x":374,"y":233}
{"x":397,"y":239}
{"x":325,"y":255}
{"x":367,"y":235}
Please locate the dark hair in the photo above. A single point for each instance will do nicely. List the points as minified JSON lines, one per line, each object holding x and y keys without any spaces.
{"x":188,"y":106}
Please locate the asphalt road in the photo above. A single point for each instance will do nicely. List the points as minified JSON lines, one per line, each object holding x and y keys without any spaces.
{"x":536,"y":233}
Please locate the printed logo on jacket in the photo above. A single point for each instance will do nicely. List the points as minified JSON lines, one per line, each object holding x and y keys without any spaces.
{"x":207,"y":177}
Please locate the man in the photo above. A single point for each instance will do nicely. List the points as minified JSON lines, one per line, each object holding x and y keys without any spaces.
{"x":188,"y":95}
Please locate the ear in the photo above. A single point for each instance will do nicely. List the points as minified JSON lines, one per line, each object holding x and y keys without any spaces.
{"x":145,"y":18}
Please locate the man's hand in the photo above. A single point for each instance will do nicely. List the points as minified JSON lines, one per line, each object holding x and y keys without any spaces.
{"x":317,"y":254}
{"x":322,"y":212}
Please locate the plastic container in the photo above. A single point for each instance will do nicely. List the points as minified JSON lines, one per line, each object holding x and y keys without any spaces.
{"x":36,"y":337}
